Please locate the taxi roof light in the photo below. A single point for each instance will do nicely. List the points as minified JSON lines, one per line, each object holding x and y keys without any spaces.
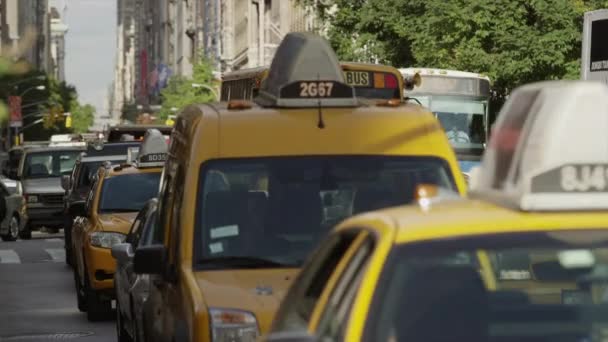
{"x":292,"y":83}
{"x":548,"y":151}
{"x":153,"y":150}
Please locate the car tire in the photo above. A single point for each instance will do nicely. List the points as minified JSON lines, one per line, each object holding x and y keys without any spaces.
{"x":121,"y":333}
{"x":13,"y":230}
{"x":81,"y":300}
{"x":26,"y":232}
{"x":98,"y":309}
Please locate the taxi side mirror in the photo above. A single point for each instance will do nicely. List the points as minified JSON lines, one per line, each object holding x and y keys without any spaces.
{"x":122,"y":252}
{"x":78,"y":209}
{"x":292,"y":336}
{"x":150,"y":259}
{"x":65,"y":182}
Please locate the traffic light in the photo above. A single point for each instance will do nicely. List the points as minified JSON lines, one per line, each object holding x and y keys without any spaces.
{"x":68,"y":120}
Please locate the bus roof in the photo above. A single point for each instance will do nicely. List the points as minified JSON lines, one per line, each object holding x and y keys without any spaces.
{"x":442,"y":72}
{"x":244,"y":73}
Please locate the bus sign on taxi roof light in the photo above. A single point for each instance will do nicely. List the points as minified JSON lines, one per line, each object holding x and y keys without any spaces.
{"x":549,"y":151}
{"x":305,"y":72}
{"x":153,"y":150}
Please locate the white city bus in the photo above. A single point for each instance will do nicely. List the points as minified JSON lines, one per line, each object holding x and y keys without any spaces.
{"x":460,"y":100}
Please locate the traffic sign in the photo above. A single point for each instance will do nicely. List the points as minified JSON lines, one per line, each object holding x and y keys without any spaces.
{"x":14,"y":103}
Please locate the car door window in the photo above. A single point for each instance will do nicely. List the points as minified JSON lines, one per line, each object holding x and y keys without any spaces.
{"x":297,"y":308}
{"x":334,"y":315}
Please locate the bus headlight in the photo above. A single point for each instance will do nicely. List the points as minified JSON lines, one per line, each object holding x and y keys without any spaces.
{"x":233,"y":325}
{"x":107,"y":239}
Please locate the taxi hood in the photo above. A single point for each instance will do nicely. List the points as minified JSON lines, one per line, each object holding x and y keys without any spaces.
{"x":257,"y":291}
{"x":117,"y":222}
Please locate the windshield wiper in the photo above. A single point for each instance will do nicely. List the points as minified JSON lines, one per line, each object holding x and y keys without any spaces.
{"x":240,"y":262}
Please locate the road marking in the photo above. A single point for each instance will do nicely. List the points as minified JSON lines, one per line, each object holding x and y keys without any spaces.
{"x":57,"y":254}
{"x":53,"y":240}
{"x":9,"y":256}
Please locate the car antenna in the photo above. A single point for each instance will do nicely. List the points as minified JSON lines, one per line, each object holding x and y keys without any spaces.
{"x":320,"y":123}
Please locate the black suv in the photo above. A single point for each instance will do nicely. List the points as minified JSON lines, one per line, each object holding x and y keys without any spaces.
{"x":78,"y":184}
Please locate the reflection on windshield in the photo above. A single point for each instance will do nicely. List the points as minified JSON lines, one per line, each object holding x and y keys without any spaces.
{"x":461,"y":117}
{"x":529,"y":287}
{"x":278,"y":209}
{"x":49,"y":164}
{"x":127,"y":193}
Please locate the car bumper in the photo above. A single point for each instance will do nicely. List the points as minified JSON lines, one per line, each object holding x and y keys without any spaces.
{"x":45,"y":216}
{"x":101,"y":267}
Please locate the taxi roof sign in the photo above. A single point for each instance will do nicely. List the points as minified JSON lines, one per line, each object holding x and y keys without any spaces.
{"x":305,"y":72}
{"x":549,"y":150}
{"x":153,"y":150}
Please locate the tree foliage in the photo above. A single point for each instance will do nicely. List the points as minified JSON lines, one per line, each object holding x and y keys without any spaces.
{"x":180,"y":91}
{"x":512,"y":41}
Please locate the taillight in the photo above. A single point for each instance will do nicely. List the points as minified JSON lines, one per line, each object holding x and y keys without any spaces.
{"x":390,"y":81}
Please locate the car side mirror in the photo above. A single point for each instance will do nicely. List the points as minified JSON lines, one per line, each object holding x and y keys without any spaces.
{"x":65,"y":182}
{"x":78,"y":209}
{"x":13,"y":174}
{"x":150,"y":259}
{"x":299,"y":336}
{"x":122,"y":252}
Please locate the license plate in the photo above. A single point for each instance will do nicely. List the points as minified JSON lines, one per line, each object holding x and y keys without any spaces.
{"x":113,"y":304}
{"x":358,"y":78}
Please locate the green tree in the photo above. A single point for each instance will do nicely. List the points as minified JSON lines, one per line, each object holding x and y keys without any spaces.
{"x":512,"y":41}
{"x":180,"y":92}
{"x":82,"y":117}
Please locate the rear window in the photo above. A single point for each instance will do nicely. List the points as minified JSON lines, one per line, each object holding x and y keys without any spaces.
{"x":278,"y":209}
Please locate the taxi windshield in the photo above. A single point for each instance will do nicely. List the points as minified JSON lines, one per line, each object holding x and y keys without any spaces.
{"x":543,"y":286}
{"x":49,"y":164}
{"x":127,"y":193}
{"x":268,"y":212}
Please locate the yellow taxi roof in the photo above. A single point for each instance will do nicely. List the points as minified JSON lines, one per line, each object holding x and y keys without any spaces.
{"x":117,"y":170}
{"x":366,"y":130}
{"x":465,"y":217}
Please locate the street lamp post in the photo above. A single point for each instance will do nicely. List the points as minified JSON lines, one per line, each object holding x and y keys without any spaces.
{"x":204,"y":86}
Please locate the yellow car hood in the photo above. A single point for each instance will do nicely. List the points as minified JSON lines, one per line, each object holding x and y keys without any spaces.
{"x":256,"y":291}
{"x":117,"y":222}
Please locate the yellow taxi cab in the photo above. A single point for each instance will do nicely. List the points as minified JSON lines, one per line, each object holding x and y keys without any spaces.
{"x":117,"y":194}
{"x":249,"y":189}
{"x":525,"y":258}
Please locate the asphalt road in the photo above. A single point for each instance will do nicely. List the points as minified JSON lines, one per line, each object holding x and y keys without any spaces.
{"x":37,"y":300}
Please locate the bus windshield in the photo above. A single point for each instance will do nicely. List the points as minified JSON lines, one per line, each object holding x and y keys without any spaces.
{"x":462,"y":118}
{"x":460,"y":103}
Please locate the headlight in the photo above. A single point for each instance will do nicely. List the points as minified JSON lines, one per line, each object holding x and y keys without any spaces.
{"x":233,"y":325}
{"x":32,"y":198}
{"x":107,"y":239}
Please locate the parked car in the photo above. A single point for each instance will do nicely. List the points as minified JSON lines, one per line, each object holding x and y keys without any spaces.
{"x":132,"y":289}
{"x":13,"y":213}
